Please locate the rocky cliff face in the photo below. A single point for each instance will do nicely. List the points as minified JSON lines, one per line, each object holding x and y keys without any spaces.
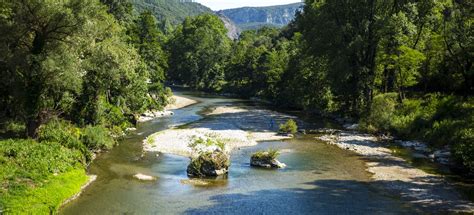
{"x":254,"y":17}
{"x":233,"y":31}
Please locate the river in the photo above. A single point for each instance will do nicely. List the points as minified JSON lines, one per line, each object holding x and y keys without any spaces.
{"x":319,"y":178}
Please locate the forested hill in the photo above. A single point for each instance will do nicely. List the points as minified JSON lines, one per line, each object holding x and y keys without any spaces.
{"x":174,"y":11}
{"x":256,"y":17}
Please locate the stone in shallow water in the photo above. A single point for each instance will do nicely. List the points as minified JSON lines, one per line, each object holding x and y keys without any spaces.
{"x":143,"y":177}
{"x":265,"y":161}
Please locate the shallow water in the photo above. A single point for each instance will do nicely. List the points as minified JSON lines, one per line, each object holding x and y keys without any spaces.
{"x":320,"y":179}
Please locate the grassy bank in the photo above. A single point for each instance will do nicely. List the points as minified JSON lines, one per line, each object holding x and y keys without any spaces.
{"x":39,"y":175}
{"x":46,"y":197}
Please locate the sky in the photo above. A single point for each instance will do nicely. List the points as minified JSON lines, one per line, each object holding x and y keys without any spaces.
{"x":226,"y":4}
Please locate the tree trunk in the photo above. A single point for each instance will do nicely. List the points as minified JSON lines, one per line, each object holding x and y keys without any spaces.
{"x":32,"y":125}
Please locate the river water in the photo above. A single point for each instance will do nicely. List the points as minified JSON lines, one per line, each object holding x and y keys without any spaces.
{"x":319,"y":179}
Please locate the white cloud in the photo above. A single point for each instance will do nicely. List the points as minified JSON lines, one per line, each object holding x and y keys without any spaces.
{"x":226,"y":4}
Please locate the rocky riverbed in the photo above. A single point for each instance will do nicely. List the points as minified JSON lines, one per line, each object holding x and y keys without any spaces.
{"x":235,"y":126}
{"x":395,"y":174}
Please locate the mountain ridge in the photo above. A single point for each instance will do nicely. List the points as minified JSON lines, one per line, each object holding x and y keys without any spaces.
{"x":255,"y":17}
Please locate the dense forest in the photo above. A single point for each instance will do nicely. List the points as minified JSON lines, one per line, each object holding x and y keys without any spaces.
{"x":77,"y":73}
{"x":402,"y":68}
{"x":170,"y":12}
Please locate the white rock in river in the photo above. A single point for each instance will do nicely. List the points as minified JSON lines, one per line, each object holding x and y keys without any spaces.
{"x":143,"y":177}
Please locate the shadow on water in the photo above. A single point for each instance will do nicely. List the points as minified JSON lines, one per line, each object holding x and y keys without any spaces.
{"x":326,"y":197}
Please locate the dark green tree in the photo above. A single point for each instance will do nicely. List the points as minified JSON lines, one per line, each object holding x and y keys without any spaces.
{"x":148,"y":40}
{"x":198,"y":53}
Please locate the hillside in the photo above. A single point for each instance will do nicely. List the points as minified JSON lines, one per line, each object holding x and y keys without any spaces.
{"x":255,"y":17}
{"x":173,"y":11}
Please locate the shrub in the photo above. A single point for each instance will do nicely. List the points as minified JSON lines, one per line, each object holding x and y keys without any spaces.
{"x":97,"y":137}
{"x":464,"y":149}
{"x":289,"y":127}
{"x":270,"y":154}
{"x":13,"y":129}
{"x":113,"y":116}
{"x":65,"y":133}
{"x":208,"y":164}
{"x":381,"y":113}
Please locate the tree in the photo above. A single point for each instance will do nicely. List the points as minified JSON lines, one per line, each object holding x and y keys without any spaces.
{"x":67,"y":59}
{"x":198,"y":51}
{"x":148,"y":40}
{"x":458,"y":37}
{"x":122,"y":10}
{"x":39,"y":39}
{"x":346,"y":33}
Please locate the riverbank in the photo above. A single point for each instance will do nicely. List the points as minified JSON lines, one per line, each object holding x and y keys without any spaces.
{"x":428,"y":191}
{"x":236,"y":126}
{"x":177,"y":101}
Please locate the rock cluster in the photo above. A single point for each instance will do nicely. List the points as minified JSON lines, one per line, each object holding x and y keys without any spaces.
{"x":209,"y":164}
{"x":266,"y":161}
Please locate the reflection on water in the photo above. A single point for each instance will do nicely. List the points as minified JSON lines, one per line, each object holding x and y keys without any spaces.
{"x":319,"y":179}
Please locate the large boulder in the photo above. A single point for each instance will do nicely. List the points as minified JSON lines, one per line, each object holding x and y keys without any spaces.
{"x":265,"y":160}
{"x":209,"y":164}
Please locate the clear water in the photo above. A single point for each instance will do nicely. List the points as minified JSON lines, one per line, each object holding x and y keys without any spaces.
{"x":319,"y":179}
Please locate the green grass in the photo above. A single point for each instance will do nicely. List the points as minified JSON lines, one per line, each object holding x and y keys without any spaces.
{"x":46,"y":198}
{"x":269,"y":154}
{"x":36,"y":177}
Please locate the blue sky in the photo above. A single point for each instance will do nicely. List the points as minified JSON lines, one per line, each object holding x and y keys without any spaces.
{"x":226,"y":4}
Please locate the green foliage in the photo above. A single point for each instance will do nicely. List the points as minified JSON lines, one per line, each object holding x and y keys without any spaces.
{"x":464,"y":148}
{"x":38,"y":177}
{"x":97,"y":138}
{"x":257,"y":62}
{"x":202,"y":165}
{"x":149,"y":41}
{"x":78,"y":60}
{"x":12,"y":129}
{"x":65,"y":133}
{"x":269,"y":154}
{"x":45,"y":199}
{"x":198,"y":52}
{"x":439,"y":120}
{"x":171,"y":11}
{"x":289,"y":127}
{"x":381,"y":113}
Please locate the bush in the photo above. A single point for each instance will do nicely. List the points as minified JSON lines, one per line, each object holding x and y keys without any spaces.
{"x":270,"y":154}
{"x":65,"y":133}
{"x":381,"y":113}
{"x":12,"y":129}
{"x":464,"y":149}
{"x":113,"y":116}
{"x":289,"y":127}
{"x":209,"y":164}
{"x":97,"y":138}
{"x":29,"y":159}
